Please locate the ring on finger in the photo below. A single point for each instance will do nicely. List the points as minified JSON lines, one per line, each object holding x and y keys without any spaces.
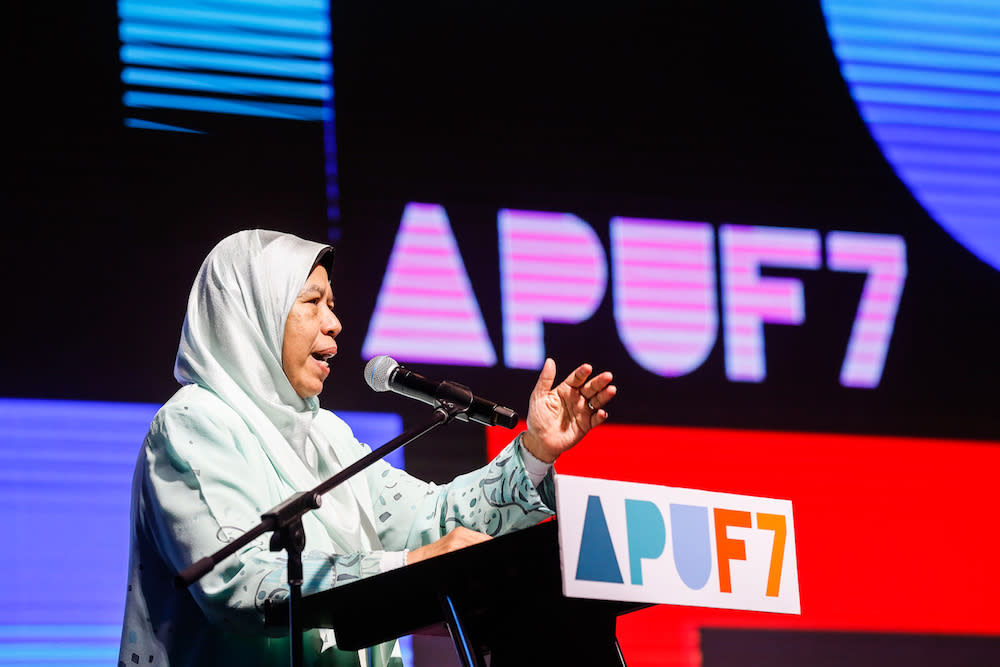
{"x":591,"y":406}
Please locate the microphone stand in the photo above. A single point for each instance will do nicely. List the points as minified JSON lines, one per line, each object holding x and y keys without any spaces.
{"x":285,"y":522}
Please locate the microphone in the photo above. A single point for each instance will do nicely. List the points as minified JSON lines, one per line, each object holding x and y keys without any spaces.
{"x":383,"y":374}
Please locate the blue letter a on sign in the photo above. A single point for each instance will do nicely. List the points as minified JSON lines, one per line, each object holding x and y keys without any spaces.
{"x":597,"y":560}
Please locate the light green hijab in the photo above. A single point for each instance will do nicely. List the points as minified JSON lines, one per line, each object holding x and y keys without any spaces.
{"x":231,"y":345}
{"x":235,"y":325}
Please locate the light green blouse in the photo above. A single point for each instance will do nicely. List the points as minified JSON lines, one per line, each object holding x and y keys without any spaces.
{"x":203,"y":477}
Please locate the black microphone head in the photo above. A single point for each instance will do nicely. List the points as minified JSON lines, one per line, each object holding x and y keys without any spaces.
{"x":378,"y":371}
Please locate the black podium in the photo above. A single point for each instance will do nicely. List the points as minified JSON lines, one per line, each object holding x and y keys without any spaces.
{"x":503,"y":597}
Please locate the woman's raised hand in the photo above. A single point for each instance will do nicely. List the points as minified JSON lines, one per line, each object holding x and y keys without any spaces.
{"x":559,"y":417}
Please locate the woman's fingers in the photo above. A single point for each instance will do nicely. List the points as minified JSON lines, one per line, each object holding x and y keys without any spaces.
{"x":596,"y":385}
{"x":602,"y":397}
{"x":578,"y":377}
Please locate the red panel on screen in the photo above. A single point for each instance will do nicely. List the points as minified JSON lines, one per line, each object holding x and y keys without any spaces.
{"x":892,"y":534}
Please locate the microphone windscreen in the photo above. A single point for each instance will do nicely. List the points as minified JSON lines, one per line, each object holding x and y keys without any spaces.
{"x":378,"y":371}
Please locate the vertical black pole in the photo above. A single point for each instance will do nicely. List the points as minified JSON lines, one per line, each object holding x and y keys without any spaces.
{"x":292,"y":538}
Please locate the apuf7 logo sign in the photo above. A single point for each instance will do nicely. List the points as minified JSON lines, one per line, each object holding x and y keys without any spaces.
{"x":659,"y":544}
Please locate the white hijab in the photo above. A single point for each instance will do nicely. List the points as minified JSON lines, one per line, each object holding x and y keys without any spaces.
{"x":231,"y":345}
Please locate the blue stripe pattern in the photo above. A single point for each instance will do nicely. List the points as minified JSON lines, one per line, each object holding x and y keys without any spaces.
{"x":925,"y":75}
{"x":65,"y":486}
{"x":140,"y":124}
{"x":140,"y":100}
{"x":265,"y":58}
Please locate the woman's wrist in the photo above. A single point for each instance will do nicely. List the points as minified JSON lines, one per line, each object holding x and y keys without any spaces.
{"x":535,"y":468}
{"x":533,"y":445}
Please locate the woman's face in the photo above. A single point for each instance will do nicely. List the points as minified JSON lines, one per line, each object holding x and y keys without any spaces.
{"x":309,"y":335}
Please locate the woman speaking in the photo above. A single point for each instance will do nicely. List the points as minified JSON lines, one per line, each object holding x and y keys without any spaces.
{"x":245,"y":431}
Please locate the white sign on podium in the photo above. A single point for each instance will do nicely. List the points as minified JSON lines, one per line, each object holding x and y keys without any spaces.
{"x":660,"y":544}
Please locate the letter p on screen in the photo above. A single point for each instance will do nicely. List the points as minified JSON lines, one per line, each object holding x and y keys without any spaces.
{"x":552,"y":269}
